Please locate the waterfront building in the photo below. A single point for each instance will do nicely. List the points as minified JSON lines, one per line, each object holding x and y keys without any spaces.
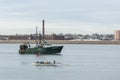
{"x":117,"y":35}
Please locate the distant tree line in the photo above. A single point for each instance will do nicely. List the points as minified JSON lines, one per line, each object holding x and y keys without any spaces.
{"x":61,"y":36}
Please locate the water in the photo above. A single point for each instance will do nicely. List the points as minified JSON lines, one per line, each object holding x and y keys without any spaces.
{"x":79,"y":62}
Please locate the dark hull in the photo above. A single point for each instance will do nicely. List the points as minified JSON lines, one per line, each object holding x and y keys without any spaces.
{"x":42,"y":50}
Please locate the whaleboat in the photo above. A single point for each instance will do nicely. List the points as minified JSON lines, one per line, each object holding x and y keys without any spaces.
{"x":44,"y":64}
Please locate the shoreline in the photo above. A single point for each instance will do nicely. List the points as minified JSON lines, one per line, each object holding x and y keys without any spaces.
{"x":59,"y":42}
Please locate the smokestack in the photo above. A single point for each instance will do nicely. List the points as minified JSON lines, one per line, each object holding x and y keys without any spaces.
{"x":43,"y":28}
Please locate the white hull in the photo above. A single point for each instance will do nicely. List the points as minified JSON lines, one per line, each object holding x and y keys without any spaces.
{"x":45,"y":64}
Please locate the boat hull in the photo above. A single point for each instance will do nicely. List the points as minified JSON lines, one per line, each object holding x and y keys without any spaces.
{"x":39,"y":64}
{"x":42,"y":50}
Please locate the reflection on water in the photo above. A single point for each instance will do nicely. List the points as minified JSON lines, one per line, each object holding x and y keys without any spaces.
{"x":77,"y":62}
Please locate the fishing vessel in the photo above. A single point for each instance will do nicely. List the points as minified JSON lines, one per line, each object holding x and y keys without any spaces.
{"x":42,"y":47}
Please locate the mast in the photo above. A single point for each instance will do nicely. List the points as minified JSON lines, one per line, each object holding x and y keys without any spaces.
{"x":36,"y":32}
{"x":36,"y":39}
{"x":39,"y":38}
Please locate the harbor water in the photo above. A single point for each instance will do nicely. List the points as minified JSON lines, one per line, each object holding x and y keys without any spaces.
{"x":77,"y":62}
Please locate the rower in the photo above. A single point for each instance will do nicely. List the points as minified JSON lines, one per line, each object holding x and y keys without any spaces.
{"x":54,"y":62}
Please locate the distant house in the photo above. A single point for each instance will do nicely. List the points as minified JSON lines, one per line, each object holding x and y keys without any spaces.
{"x":54,"y":37}
{"x":117,"y":35}
{"x":3,"y":38}
{"x":58,"y":37}
{"x":19,"y":37}
{"x":68,"y":37}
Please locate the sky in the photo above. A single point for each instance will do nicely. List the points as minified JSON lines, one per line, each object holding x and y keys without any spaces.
{"x":61,"y":16}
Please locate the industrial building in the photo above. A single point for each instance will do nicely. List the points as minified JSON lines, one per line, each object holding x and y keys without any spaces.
{"x":117,"y":35}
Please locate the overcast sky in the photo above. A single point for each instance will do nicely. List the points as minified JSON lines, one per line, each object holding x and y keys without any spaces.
{"x":61,"y":16}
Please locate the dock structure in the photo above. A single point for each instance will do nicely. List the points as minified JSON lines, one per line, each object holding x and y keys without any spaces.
{"x":59,"y":42}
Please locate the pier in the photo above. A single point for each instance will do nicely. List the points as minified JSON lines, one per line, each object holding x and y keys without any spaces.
{"x":59,"y":42}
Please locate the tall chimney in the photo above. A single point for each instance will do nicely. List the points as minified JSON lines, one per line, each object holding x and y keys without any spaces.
{"x":43,"y":28}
